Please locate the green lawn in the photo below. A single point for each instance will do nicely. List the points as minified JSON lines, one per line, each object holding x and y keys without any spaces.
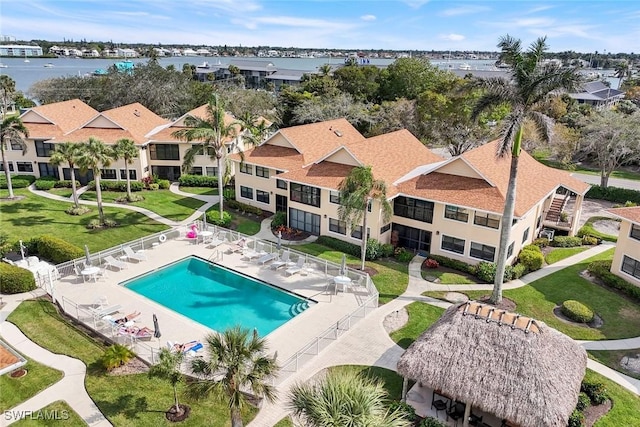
{"x":621,"y":316}
{"x":127,"y":400}
{"x":62,"y":192}
{"x":626,"y":405}
{"x":392,"y":278}
{"x":589,"y":230}
{"x":35,"y":216}
{"x":448,"y":276}
{"x":391,"y":381}
{"x":58,"y":413}
{"x":285,"y":422}
{"x":421,"y":316}
{"x":16,"y":390}
{"x":163,"y":202}
{"x":558,"y":254}
{"x":613,"y":359}
{"x":203,"y":191}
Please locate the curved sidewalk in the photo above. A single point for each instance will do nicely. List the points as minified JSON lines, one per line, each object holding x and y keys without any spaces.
{"x":70,"y":388}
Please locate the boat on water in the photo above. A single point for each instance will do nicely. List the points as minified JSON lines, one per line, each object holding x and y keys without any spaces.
{"x":3,"y":65}
{"x":464,"y":66}
{"x":26,"y":60}
{"x":48,"y":65}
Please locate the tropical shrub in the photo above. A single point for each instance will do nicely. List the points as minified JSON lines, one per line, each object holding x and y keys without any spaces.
{"x":386,"y":250}
{"x":596,"y":391}
{"x":431,"y":263}
{"x":566,"y":241}
{"x":613,"y":194}
{"x":403,"y":255}
{"x":116,"y":355}
{"x":583,"y":401}
{"x":15,"y":183}
{"x":576,"y":419}
{"x":486,"y":271}
{"x":519,"y":270}
{"x":164,"y":184}
{"x":577,"y":311}
{"x":454,"y":264}
{"x":106,"y":185}
{"x":44,"y":184}
{"x":339,"y":245}
{"x":541,"y":242}
{"x":602,"y":270}
{"x":431,"y":422}
{"x":154,"y":187}
{"x":109,"y":223}
{"x":57,"y":250}
{"x":213,"y":217}
{"x":531,"y":257}
{"x":66,"y":183}
{"x":15,"y":280}
{"x":93,"y":224}
{"x":244,"y":208}
{"x":373,"y":250}
{"x":198,"y":181}
{"x":80,"y":210}
{"x":279,"y":219}
{"x":408,"y":412}
{"x":589,"y":240}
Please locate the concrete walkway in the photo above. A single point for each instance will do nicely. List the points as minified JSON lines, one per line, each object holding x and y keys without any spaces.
{"x":70,"y":388}
{"x":366,"y":343}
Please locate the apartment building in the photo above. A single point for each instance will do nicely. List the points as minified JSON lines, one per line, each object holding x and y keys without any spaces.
{"x":449,"y":207}
{"x":626,"y":259}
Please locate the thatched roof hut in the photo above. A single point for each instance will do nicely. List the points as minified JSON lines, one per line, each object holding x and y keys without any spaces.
{"x":514,"y":367}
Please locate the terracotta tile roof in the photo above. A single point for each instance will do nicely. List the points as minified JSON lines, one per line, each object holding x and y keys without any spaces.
{"x":324,"y":174}
{"x":67,"y":115}
{"x":165,"y":134}
{"x":535,"y":180}
{"x":316,"y":140}
{"x":273,"y":156}
{"x":454,"y":190}
{"x":630,"y":214}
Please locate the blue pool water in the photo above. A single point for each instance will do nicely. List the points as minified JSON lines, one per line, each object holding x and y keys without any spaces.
{"x":217,"y":297}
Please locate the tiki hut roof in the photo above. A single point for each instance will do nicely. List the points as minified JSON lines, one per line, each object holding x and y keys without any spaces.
{"x":514,"y":367}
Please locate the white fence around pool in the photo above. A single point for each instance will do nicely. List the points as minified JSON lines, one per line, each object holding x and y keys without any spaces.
{"x":147,"y":352}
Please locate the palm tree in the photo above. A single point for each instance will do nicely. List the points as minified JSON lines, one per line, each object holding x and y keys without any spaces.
{"x":236,"y":362}
{"x":357,"y":191}
{"x":12,"y":132}
{"x":94,"y":155}
{"x":343,"y":399}
{"x":67,"y":152}
{"x":622,"y":69}
{"x":212,"y":132}
{"x":254,"y":129}
{"x":126,"y":149}
{"x":7,"y":91}
{"x":168,"y":368}
{"x":531,"y":83}
{"x":324,"y":69}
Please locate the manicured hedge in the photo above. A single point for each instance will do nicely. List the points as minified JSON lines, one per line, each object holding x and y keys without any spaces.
{"x":566,"y":241}
{"x":164,"y":184}
{"x":278,"y":219}
{"x":213,"y":217}
{"x":29,"y":178}
{"x":198,"y":181}
{"x":577,"y":311}
{"x":66,"y":183}
{"x":339,"y":245}
{"x":531,"y":257}
{"x":44,"y":184}
{"x":602,"y":270}
{"x":234,"y":204}
{"x":596,"y":391}
{"x":614,"y":194}
{"x":15,"y":183}
{"x":57,"y":250}
{"x":15,"y":280}
{"x":115,"y":185}
{"x":486,"y":271}
{"x":454,"y":264}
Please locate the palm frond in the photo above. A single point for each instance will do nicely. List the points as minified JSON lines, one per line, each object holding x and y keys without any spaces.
{"x":543,"y":125}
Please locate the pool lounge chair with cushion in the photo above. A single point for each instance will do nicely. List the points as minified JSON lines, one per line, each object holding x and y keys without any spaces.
{"x":218,"y":239}
{"x":112,"y":262}
{"x":134,"y":255}
{"x":251,"y":253}
{"x":100,"y":312}
{"x":267,"y":257}
{"x":143,"y":333}
{"x":297,"y":268}
{"x":282,"y":262}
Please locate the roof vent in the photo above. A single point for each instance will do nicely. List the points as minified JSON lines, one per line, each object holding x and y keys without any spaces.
{"x":338,"y":133}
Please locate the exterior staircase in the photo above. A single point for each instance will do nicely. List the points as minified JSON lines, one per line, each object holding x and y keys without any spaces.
{"x":553,"y":214}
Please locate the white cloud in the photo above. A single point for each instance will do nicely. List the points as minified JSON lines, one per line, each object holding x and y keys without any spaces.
{"x":464,"y":10}
{"x":452,"y":37}
{"x":368,"y":17}
{"x":539,"y":9}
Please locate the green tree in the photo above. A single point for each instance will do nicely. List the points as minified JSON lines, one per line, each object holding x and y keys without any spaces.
{"x":67,"y":152}
{"x":343,"y":399}
{"x":126,"y":149}
{"x":168,"y":368}
{"x":12,"y":132}
{"x":362,"y":82}
{"x":236,"y":362}
{"x":212,"y":133}
{"x":357,"y":191}
{"x":95,"y":155}
{"x":7,"y":93}
{"x":409,"y":77}
{"x":531,"y":82}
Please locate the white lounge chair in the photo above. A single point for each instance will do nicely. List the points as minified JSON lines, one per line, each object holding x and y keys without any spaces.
{"x":254,"y":253}
{"x":282,"y":262}
{"x":112,"y":262}
{"x":267,"y":257}
{"x":99,"y":313}
{"x":218,"y":239}
{"x":134,"y":255}
{"x":297,"y":268}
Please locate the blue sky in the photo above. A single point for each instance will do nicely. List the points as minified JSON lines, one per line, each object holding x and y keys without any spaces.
{"x":585,"y":26}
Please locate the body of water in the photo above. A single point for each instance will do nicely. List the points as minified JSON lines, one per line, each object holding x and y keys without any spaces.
{"x":217,"y":297}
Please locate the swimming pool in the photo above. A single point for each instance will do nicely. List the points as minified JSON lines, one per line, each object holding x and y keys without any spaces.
{"x":217,"y":297}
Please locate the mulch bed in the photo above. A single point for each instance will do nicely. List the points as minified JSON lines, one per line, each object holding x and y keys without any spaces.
{"x":134,"y":366}
{"x":173,"y":416}
{"x":293,"y":236}
{"x":594,"y":413}
{"x":371,"y":271}
{"x":506,"y":304}
{"x":595,"y":323}
{"x":18,"y":373}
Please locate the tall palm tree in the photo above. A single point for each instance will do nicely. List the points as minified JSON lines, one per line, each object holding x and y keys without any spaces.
{"x":532,"y":81}
{"x":67,"y":152}
{"x":95,"y":155}
{"x":236,"y":362}
{"x":212,"y":133}
{"x":254,"y":129}
{"x":357,"y":191}
{"x":126,"y":149}
{"x":343,"y":399}
{"x":622,"y":69}
{"x":168,"y":368}
{"x":12,"y":131}
{"x":7,"y":91}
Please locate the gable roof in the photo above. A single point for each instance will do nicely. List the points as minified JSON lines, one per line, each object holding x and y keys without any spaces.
{"x":57,"y":118}
{"x":165,"y":133}
{"x":516,"y":368}
{"x":630,"y":214}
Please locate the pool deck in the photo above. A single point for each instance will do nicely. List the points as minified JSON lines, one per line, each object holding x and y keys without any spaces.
{"x":286,"y":340}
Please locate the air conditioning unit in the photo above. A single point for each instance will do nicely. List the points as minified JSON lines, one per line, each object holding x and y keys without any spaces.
{"x":548,"y":233}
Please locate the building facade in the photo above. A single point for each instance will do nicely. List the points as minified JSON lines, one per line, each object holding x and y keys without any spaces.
{"x":626,"y":260}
